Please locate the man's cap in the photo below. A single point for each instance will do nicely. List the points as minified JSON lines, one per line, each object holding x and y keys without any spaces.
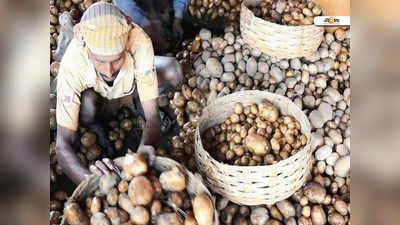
{"x":105,"y":29}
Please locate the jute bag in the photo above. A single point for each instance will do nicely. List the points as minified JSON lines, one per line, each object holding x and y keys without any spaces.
{"x":253,"y":185}
{"x":194,"y":184}
{"x":278,"y":40}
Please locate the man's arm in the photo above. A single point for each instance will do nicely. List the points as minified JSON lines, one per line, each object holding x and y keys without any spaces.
{"x":179,"y":6}
{"x":66,"y":156}
{"x":151,"y":132}
{"x":132,"y":9}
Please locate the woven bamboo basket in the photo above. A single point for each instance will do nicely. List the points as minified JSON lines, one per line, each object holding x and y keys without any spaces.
{"x":278,"y":40}
{"x":194,"y":183}
{"x":253,"y":185}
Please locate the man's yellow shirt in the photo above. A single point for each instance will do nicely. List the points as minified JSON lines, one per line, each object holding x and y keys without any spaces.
{"x":77,"y":73}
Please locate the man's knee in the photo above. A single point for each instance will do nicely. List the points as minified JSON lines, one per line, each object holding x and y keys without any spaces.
{"x":88,"y":107}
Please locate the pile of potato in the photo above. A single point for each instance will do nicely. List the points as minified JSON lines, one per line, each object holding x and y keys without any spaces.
{"x":88,"y":153}
{"x":254,"y":135}
{"x":318,"y":202}
{"x":57,"y":200}
{"x":318,"y":84}
{"x":292,"y":12}
{"x":213,"y":9}
{"x":90,"y":150}
{"x":141,"y":196}
{"x":122,"y":124}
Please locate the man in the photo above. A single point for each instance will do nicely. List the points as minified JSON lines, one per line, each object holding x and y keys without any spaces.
{"x":148,"y":14}
{"x":107,"y":61}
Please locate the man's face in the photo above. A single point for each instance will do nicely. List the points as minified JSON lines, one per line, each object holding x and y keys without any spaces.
{"x":107,"y":66}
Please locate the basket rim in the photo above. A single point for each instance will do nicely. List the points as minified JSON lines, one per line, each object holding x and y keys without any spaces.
{"x":277,"y":24}
{"x":307,"y":147}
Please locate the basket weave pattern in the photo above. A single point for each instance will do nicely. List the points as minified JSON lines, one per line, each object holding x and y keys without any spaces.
{"x":253,"y":185}
{"x":278,"y":40}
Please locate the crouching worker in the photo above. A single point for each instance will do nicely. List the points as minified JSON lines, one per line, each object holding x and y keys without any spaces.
{"x":109,"y":59}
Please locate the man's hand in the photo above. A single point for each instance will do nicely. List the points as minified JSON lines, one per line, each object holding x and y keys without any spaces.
{"x":148,"y":152}
{"x":104,"y":166}
{"x":177,"y":28}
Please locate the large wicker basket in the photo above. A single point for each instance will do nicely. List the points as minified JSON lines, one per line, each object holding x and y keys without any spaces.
{"x":253,"y":185}
{"x":277,"y":40}
{"x":194,"y":183}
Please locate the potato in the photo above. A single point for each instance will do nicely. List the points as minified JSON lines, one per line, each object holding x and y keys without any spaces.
{"x":286,"y":208}
{"x":140,"y":191}
{"x":275,"y":144}
{"x":273,"y":222}
{"x":126,"y":124}
{"x":156,"y":208}
{"x":192,"y":106}
{"x":93,"y":152}
{"x":190,"y":220}
{"x":269,"y":113}
{"x":314,"y":192}
{"x":304,"y":221}
{"x":187,"y":91}
{"x":306,"y":211}
{"x":123,"y":186}
{"x":169,"y":219}
{"x":88,"y":139}
{"x":290,"y":221}
{"x":203,"y":209}
{"x":140,"y":215}
{"x":244,"y":210}
{"x":173,"y":180}
{"x":259,"y":216}
{"x":99,"y":219}
{"x":341,"y":207}
{"x":234,"y":118}
{"x":239,"y":150}
{"x":112,"y":197}
{"x":336,"y":219}
{"x":55,"y":205}
{"x":179,"y":100}
{"x":95,"y":205}
{"x":175,"y":199}
{"x":53,"y":20}
{"x":106,"y":182}
{"x":226,"y":218}
{"x":125,"y":203}
{"x":74,"y":214}
{"x":134,"y":164}
{"x":318,"y":216}
{"x":240,"y":220}
{"x":54,"y":67}
{"x":275,"y":213}
{"x":257,"y":144}
{"x":214,"y":67}
{"x":116,"y":216}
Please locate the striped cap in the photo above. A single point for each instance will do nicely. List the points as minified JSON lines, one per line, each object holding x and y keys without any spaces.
{"x":104,"y":29}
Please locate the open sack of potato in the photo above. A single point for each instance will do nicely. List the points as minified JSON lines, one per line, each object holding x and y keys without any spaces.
{"x":163,"y":194}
